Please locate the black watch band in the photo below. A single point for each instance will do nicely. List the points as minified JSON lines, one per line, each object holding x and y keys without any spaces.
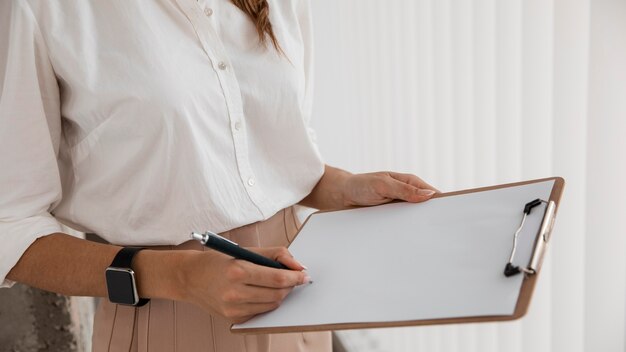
{"x":122,"y":265}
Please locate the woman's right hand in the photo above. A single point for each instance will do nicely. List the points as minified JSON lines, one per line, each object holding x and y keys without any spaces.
{"x":232,"y":288}
{"x":237,"y":289}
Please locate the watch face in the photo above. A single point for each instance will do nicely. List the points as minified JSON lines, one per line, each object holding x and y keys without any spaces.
{"x":120,"y":286}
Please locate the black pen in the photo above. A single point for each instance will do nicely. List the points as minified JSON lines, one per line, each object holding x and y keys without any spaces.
{"x":226,"y":246}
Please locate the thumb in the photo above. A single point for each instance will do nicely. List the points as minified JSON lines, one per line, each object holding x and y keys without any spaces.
{"x":409,"y":193}
{"x":422,"y":194}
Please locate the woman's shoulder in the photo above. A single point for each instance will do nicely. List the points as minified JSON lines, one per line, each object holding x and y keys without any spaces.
{"x":52,"y":16}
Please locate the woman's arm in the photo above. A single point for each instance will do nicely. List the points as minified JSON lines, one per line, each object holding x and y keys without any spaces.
{"x":329,"y":191}
{"x":338,"y":189}
{"x":71,"y":266}
{"x":232,"y":288}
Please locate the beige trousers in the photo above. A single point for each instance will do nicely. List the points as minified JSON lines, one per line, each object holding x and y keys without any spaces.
{"x":168,"y":326}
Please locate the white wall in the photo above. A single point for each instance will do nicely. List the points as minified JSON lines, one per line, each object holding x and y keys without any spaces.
{"x":469,"y":93}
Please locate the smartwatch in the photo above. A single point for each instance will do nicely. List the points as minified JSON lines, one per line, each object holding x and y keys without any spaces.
{"x":121,"y":280}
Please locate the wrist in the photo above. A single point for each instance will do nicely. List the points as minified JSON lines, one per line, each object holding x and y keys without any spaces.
{"x":334,"y":192}
{"x":159,"y":273}
{"x":330,"y":190}
{"x":342,"y":183}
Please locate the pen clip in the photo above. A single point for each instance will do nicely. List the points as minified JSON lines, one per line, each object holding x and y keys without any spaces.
{"x":213,"y":234}
{"x":204,"y":237}
{"x":199,"y":237}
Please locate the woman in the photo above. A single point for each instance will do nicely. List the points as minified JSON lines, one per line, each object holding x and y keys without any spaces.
{"x":145,"y":121}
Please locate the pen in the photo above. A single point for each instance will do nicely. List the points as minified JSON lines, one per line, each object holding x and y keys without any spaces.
{"x":226,"y":246}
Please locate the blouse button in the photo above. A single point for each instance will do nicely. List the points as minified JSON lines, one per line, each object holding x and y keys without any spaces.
{"x":237,"y":125}
{"x":251,"y":181}
{"x":221,"y":65}
{"x":208,"y":11}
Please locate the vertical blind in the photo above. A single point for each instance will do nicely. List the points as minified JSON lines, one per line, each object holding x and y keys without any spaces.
{"x":477,"y":92}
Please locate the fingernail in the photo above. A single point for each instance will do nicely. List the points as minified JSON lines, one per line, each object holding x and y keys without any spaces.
{"x":307,"y":280}
{"x":425,"y":192}
{"x":302,"y":265}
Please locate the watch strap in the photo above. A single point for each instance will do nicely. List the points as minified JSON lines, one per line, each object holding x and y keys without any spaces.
{"x":124,"y":259}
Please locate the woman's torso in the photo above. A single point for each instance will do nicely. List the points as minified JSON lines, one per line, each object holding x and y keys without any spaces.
{"x":175,"y":118}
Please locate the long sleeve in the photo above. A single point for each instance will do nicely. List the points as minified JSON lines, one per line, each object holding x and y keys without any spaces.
{"x":30,"y":133}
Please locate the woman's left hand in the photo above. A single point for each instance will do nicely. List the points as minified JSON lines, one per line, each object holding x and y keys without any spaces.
{"x":382,"y":187}
{"x":338,"y":189}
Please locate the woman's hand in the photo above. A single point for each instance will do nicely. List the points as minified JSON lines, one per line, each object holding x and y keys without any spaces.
{"x":338,"y":188}
{"x":238,"y":289}
{"x":382,"y":187}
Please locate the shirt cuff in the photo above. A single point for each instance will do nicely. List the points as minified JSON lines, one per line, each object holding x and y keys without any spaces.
{"x":17,"y":236}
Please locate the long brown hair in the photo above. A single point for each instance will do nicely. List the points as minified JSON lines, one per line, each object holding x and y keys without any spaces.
{"x":258,"y":11}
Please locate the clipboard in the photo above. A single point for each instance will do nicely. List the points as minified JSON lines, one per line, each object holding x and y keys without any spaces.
{"x":490,"y":246}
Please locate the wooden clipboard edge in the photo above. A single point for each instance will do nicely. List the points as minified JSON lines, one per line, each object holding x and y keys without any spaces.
{"x":390,"y":324}
{"x":521,"y":306}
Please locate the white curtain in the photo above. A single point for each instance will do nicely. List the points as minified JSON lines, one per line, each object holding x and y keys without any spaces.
{"x":477,"y":92}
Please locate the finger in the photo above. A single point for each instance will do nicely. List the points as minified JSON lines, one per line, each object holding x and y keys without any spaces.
{"x":413,"y":180}
{"x":399,"y":190}
{"x":282,"y":255}
{"x":273,"y":278}
{"x":414,"y":194}
{"x":258,"y":294}
{"x":244,"y":312}
{"x":255,"y":294}
{"x":242,"y":319}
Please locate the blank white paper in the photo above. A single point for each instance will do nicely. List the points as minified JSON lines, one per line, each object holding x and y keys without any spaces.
{"x":403,"y":261}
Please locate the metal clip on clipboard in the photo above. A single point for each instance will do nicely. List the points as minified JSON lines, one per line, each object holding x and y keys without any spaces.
{"x":541,"y":241}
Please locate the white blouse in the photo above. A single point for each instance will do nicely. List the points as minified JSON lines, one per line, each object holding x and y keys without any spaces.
{"x":142,"y":121}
